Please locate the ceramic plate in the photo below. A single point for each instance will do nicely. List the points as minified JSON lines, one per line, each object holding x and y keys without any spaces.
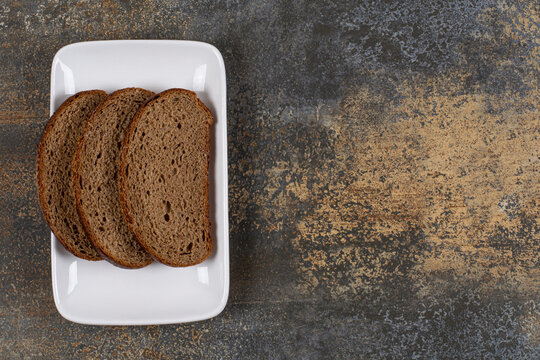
{"x":99,"y":293}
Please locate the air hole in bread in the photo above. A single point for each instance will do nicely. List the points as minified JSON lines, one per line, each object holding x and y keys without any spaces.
{"x":179,"y":126}
{"x":167,"y":218}
{"x":189,"y":247}
{"x":98,"y":155}
{"x":101,"y":228}
{"x":168,"y":207}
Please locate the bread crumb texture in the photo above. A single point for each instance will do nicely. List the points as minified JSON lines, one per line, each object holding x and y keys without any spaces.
{"x":164,"y":178}
{"x":54,"y":170}
{"x":96,"y":178}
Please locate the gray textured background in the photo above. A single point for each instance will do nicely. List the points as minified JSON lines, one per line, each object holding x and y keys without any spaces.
{"x":384,"y":166}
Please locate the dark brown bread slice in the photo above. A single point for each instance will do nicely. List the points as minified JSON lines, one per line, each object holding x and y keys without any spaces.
{"x":55,"y":153}
{"x":95,"y":178}
{"x":163,"y":178}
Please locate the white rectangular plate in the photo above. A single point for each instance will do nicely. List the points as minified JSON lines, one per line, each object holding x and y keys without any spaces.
{"x":99,"y":293}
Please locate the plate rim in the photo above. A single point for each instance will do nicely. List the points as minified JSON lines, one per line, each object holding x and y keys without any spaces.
{"x":222,"y":111}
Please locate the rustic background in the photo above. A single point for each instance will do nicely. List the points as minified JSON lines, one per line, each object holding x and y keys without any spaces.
{"x":384,"y":178}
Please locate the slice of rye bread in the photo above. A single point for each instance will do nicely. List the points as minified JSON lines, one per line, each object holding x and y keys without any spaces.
{"x":55,"y":154}
{"x":163,"y":178}
{"x":95,"y":181}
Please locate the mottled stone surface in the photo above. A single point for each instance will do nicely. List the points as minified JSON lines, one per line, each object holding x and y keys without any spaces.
{"x":384,"y":178}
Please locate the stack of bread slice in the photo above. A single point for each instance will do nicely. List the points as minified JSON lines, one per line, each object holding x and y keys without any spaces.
{"x":124,"y":177}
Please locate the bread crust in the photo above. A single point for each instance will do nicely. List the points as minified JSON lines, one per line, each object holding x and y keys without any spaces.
{"x":40,"y":173}
{"x":76,"y":175}
{"x":126,"y":211}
